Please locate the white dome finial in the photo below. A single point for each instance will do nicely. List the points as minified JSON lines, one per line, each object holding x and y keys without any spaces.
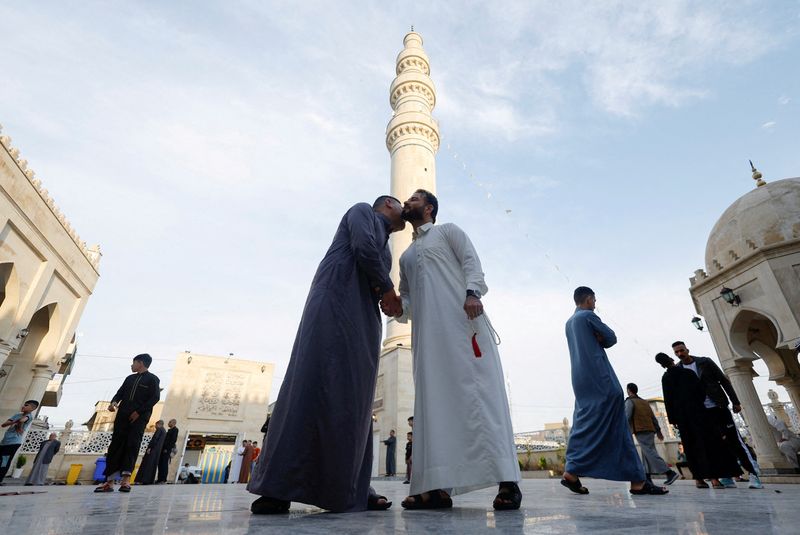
{"x":757,"y":175}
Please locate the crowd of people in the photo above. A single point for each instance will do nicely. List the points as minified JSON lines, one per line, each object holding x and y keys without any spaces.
{"x":458,"y":386}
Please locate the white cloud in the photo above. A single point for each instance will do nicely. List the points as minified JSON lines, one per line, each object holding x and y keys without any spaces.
{"x":783,"y":100}
{"x":768,"y":126}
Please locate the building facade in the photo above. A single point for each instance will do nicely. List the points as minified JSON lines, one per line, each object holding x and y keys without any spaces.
{"x":218,"y":402}
{"x":47,"y":274}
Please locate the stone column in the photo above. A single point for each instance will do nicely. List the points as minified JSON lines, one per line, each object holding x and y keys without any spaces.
{"x":793,"y":389}
{"x":5,"y":350}
{"x":770,"y":458}
{"x":41,"y":376}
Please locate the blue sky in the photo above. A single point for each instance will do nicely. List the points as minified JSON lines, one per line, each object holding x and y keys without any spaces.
{"x":211,"y":148}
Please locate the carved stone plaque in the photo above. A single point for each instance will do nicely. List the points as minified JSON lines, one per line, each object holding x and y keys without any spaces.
{"x":219,"y":396}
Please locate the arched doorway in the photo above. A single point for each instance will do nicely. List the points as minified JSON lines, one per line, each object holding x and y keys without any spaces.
{"x":32,"y":353}
{"x":9,"y":298}
{"x":754,"y":335}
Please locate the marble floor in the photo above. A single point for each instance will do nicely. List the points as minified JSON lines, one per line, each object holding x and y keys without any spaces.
{"x":547,"y":508}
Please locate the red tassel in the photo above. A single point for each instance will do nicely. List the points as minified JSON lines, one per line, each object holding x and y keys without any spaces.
{"x":475,"y":348}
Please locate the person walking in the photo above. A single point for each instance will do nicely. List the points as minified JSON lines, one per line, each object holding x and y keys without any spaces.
{"x":719,"y":390}
{"x":167,"y":451}
{"x":47,"y":450}
{"x":133,"y":403}
{"x":644,"y":426}
{"x":706,"y":455}
{"x":146,"y":475}
{"x":600,"y":444}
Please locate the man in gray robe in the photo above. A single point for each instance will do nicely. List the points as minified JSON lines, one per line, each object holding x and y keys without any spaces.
{"x":391,"y":453}
{"x":47,"y":450}
{"x":318,"y":449}
{"x":146,"y":475}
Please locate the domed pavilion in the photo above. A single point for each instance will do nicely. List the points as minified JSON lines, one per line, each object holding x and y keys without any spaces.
{"x":749,"y":294}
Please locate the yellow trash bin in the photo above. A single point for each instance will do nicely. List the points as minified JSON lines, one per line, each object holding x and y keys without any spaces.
{"x":74,"y":472}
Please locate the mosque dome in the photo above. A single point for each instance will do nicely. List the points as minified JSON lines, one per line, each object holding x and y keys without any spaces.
{"x":765,"y":216}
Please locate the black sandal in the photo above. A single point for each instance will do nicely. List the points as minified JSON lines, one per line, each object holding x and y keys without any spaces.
{"x":373,"y":505}
{"x":124,"y":488}
{"x":649,"y":489}
{"x":575,"y":486}
{"x":269,"y":506}
{"x":509,"y":492}
{"x":435,"y":501}
{"x":105,"y":487}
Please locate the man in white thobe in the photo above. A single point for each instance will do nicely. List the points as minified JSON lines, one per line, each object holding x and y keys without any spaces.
{"x":236,"y":463}
{"x":463,"y":439}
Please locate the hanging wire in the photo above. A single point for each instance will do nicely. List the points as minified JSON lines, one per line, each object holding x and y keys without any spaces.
{"x":509,"y":216}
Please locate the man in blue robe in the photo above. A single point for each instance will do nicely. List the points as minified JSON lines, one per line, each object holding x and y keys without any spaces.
{"x":600,"y":444}
{"x":318,"y":449}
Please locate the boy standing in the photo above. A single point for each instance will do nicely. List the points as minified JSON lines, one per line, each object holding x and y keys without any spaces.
{"x":12,"y":440}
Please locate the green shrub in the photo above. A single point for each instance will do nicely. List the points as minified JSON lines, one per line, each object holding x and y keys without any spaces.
{"x":21,"y":460}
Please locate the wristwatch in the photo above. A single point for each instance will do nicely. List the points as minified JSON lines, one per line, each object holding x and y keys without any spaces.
{"x":474,"y":294}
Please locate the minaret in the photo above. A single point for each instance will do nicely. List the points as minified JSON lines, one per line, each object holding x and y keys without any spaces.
{"x":412,"y":137}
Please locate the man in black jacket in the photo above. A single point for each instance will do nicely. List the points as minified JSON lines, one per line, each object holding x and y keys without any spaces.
{"x":133,"y":402}
{"x":716,"y":386}
{"x":166,"y":451}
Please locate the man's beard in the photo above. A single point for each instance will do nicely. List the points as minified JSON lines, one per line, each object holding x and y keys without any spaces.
{"x":413,"y":214}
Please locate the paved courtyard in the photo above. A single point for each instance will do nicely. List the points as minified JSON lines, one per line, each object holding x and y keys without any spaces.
{"x":547,"y":508}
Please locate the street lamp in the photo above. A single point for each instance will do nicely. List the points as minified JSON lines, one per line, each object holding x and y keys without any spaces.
{"x":730,"y":297}
{"x":698,"y":323}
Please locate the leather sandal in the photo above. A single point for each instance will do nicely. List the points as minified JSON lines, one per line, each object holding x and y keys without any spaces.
{"x":269,"y":506}
{"x":437,"y":499}
{"x":649,"y":489}
{"x":575,"y":486}
{"x":508,"y":498}
{"x":373,"y":505}
{"x":105,"y":487}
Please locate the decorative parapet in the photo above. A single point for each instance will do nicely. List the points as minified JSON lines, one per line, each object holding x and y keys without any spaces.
{"x":92,"y":253}
{"x":419,"y":130}
{"x":699,"y":276}
{"x":93,"y":443}
{"x":413,"y":86}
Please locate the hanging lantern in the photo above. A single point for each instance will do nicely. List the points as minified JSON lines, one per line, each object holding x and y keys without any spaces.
{"x":730,"y":297}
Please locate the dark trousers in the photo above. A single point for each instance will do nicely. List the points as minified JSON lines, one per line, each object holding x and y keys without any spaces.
{"x":723,"y":419}
{"x":6,"y":454}
{"x":125,"y":442}
{"x":680,"y":465}
{"x":163,"y":466}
